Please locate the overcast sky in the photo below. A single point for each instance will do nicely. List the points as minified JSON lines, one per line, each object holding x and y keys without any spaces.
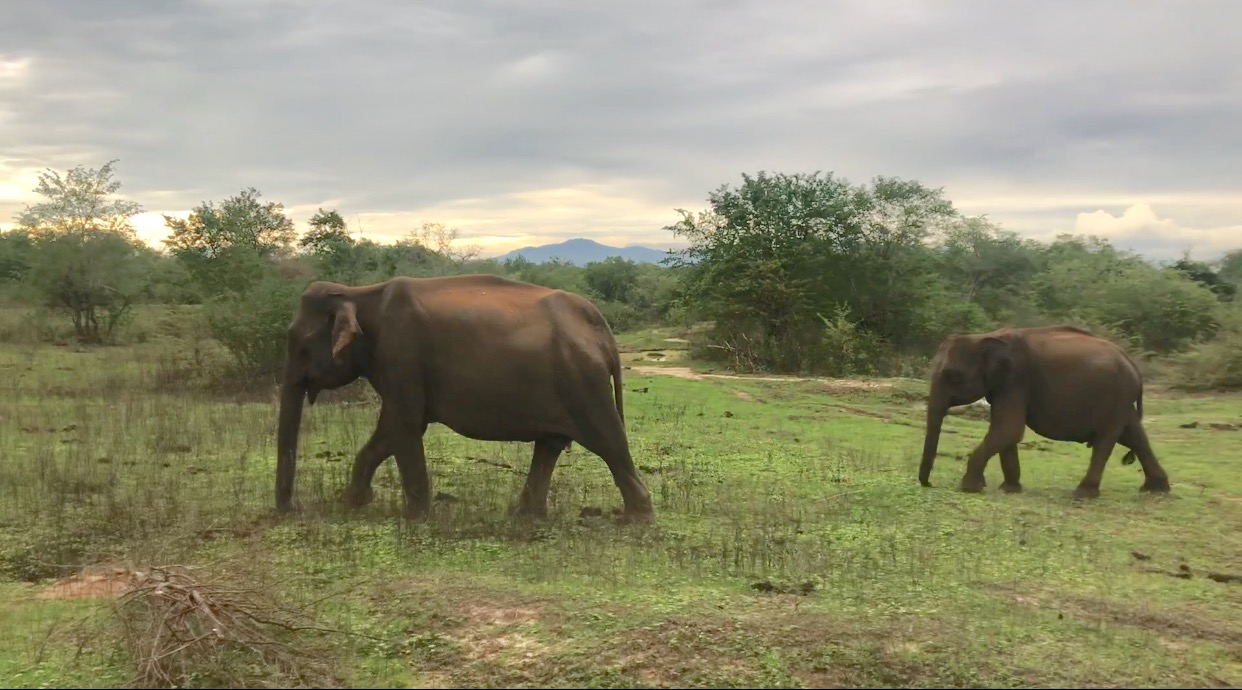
{"x":535,"y":121}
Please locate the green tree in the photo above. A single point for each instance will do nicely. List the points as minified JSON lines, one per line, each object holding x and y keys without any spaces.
{"x":774,"y":257}
{"x":1203,"y":273}
{"x":84,"y":258}
{"x":1229,"y":268}
{"x":613,"y":279}
{"x":990,"y":267}
{"x":1087,"y":280}
{"x":16,"y":247}
{"x":227,"y":247}
{"x":331,"y":248}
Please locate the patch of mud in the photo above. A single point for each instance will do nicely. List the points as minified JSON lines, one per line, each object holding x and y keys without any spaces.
{"x":766,"y":586}
{"x":93,"y":582}
{"x":1218,"y":426}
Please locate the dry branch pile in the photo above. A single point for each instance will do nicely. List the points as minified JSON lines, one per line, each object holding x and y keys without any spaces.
{"x":183,"y":631}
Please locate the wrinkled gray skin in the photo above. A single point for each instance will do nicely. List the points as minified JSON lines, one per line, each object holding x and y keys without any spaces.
{"x":1062,"y":382}
{"x":493,"y":359}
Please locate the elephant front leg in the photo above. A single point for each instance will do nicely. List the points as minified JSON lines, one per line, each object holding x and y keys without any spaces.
{"x":534,"y":499}
{"x":405,"y":440}
{"x":1006,"y":430}
{"x":1011,"y":470}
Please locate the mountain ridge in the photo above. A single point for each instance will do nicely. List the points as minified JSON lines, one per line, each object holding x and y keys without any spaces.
{"x":581,"y":251}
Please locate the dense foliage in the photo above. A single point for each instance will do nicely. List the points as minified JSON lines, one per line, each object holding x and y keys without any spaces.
{"x":797,"y":273}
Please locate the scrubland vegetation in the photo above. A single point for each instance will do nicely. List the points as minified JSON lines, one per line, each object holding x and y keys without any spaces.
{"x":774,"y":383}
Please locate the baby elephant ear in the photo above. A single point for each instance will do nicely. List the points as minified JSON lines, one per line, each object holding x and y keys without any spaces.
{"x":345,"y":329}
{"x":997,"y":361}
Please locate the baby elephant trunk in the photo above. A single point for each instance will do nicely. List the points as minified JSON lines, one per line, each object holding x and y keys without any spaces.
{"x":937,"y":408}
{"x":291,"y":398}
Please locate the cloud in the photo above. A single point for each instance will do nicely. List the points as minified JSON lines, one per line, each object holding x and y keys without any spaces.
{"x":1139,"y":228}
{"x":487,"y":111}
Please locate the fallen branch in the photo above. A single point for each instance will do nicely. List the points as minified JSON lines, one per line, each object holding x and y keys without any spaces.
{"x":183,"y":631}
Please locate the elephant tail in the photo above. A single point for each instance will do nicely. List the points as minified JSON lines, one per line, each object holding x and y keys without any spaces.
{"x":1131,"y":456}
{"x":616,"y":383}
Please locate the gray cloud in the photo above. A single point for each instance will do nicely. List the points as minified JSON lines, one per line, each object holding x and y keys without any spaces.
{"x":401,"y":106}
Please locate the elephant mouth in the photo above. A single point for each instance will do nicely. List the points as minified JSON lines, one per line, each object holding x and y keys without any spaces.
{"x":312,"y":390}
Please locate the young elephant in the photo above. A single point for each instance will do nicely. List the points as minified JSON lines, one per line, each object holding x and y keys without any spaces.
{"x":492,"y":359}
{"x":1065,"y":383}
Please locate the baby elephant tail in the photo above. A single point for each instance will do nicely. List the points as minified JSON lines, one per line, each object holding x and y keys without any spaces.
{"x":1130,"y":457}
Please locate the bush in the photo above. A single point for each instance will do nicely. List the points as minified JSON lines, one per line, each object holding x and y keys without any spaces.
{"x":1215,"y":365}
{"x":252,"y":325}
{"x":846,"y":350}
{"x":620,"y":316}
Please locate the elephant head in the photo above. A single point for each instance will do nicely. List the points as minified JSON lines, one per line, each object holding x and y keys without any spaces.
{"x":965,"y":369}
{"x":324,"y":352}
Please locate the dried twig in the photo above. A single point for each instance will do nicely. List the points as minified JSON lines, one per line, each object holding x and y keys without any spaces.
{"x":182,"y":630}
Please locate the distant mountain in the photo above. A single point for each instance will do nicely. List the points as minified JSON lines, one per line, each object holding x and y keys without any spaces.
{"x":581,"y":251}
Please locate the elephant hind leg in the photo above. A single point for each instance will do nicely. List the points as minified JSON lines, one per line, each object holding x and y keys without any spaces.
{"x":372,"y":454}
{"x":1101,"y":448}
{"x":534,"y":498}
{"x":1135,"y":438}
{"x":1011,"y":470}
{"x":601,"y":431}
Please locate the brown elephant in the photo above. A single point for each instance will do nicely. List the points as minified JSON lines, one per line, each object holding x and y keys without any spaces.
{"x":1063,"y":382}
{"x":491,"y":358}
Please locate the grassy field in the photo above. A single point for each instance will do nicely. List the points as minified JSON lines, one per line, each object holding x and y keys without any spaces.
{"x":793,"y":545}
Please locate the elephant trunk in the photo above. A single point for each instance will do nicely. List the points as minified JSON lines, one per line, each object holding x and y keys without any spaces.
{"x":292,"y":395}
{"x":937,"y":408}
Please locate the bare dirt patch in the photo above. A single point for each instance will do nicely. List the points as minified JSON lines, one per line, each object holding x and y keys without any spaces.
{"x":1189,"y":623}
{"x":93,"y":582}
{"x":678,"y":372}
{"x":487,"y":627}
{"x":829,"y":385}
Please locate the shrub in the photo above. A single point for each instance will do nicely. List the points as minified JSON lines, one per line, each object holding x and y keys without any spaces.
{"x":1215,"y":365}
{"x":251,"y":325}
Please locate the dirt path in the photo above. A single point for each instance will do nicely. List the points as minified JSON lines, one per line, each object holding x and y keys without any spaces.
{"x":688,"y":373}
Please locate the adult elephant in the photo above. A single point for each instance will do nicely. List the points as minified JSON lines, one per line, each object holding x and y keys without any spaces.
{"x":492,"y":359}
{"x":1063,"y":382}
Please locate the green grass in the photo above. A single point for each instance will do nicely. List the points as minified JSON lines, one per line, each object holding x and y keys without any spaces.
{"x":793,"y":545}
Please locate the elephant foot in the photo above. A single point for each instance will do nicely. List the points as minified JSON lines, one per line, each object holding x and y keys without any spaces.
{"x":1086,"y":492}
{"x":358,"y":497}
{"x":973,"y":486}
{"x":1011,"y":487}
{"x":636,"y":517}
{"x":528,"y":511}
{"x":417,"y":512}
{"x":1159,"y":485}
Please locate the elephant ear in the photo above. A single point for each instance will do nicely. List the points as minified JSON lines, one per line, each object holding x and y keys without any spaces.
{"x":345,"y":329}
{"x":998,"y":362}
